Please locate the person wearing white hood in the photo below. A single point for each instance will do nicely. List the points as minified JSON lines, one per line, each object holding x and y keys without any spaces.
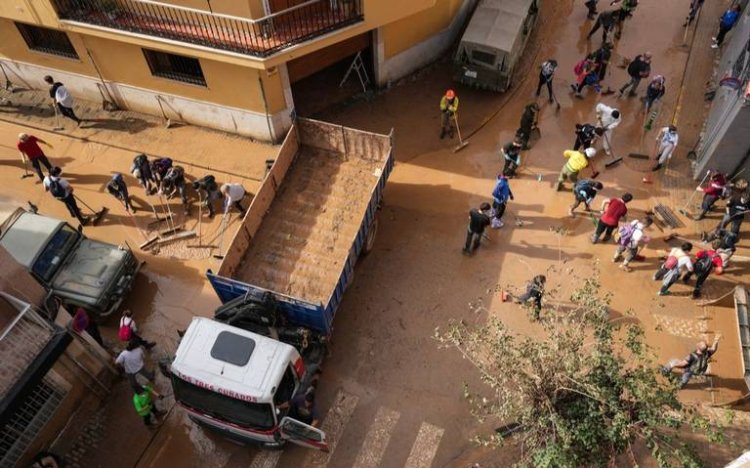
{"x":607,"y":118}
{"x":666,"y":142}
{"x":631,"y":236}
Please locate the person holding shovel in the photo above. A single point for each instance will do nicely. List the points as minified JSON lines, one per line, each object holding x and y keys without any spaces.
{"x":737,"y":207}
{"x":608,"y":119}
{"x":715,"y":189}
{"x":512,"y":156}
{"x":233,"y":195}
{"x":118,"y":189}
{"x":534,"y":293}
{"x":529,"y":122}
{"x":29,"y":148}
{"x":577,"y":161}
{"x":586,"y":135}
{"x":546,"y":74}
{"x":62,"y":99}
{"x":479,"y":219}
{"x":584,"y":192}
{"x":174,"y":182}
{"x":448,"y":109}
{"x":141,"y":170}
{"x":208,"y":192}
{"x":61,"y":189}
{"x":666,"y":142}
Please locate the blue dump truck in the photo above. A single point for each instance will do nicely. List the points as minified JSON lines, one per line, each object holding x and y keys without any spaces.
{"x":280,"y":282}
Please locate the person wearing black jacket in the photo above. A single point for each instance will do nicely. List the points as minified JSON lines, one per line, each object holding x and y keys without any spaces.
{"x":638,"y":69}
{"x":527,"y":124}
{"x":737,"y":207}
{"x":601,"y":57}
{"x":479,"y":219}
{"x":118,"y":189}
{"x":606,"y":20}
{"x":586,"y":135}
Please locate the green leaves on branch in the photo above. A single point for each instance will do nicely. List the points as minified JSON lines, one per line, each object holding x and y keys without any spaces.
{"x":584,"y":395}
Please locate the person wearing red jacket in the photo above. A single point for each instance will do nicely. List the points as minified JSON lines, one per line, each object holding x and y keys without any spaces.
{"x":613,"y":209}
{"x":706,"y":261}
{"x":717,"y":184}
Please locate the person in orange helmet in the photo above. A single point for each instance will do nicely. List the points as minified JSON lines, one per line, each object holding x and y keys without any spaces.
{"x":448,"y":109}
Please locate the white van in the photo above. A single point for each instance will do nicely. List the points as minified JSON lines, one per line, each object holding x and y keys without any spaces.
{"x":233,"y":381}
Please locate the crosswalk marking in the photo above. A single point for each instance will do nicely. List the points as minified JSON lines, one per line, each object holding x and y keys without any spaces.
{"x":333,"y":426}
{"x":425,"y":447}
{"x":377,"y":439}
{"x":266,"y":459}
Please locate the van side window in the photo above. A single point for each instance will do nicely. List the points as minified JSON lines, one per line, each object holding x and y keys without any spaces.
{"x":285,"y":392}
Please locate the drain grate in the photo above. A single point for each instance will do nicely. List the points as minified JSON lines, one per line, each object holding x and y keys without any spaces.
{"x":668,"y":217}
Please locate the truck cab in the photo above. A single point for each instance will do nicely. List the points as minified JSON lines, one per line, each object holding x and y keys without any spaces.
{"x":233,"y":381}
{"x":78,"y":271}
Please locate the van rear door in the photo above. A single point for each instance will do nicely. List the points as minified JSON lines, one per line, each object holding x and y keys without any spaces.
{"x":303,"y":434}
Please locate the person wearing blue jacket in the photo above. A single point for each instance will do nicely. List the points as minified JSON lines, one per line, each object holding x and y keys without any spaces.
{"x":500,"y":195}
{"x":727,"y":22}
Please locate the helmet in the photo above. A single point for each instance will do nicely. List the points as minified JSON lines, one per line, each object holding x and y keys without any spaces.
{"x":450,"y":94}
{"x":589,"y":152}
{"x":117,"y":176}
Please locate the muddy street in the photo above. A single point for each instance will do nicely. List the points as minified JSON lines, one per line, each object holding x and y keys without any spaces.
{"x":388,"y":394}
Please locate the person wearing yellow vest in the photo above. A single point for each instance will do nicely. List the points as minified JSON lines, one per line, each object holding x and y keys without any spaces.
{"x":448,"y":109}
{"x":143,"y":401}
{"x":577,"y":161}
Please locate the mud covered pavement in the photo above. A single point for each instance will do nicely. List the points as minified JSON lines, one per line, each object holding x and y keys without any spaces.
{"x":389,"y":396}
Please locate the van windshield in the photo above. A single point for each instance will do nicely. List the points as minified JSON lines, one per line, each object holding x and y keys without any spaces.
{"x":54,"y":253}
{"x":242,"y":413}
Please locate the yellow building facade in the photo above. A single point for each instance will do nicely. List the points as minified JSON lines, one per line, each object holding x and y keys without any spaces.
{"x":233,"y":65}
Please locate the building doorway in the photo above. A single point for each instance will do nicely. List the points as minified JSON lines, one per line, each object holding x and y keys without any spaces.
{"x":316,"y":77}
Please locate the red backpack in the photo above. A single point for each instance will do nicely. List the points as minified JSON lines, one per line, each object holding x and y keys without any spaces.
{"x":580,"y":66}
{"x":125,"y":333}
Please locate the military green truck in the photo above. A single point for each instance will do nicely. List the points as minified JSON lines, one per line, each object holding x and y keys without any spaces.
{"x":75,"y":270}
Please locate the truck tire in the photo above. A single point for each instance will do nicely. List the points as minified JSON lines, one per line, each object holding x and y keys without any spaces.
{"x":370,"y":239}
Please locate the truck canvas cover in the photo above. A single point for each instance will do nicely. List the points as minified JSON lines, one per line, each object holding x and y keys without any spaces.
{"x":496,"y":24}
{"x":493,"y":42}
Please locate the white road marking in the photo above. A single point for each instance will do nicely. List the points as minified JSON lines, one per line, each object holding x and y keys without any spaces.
{"x":425,"y":447}
{"x":333,"y":425}
{"x":266,"y":459}
{"x":377,"y":439}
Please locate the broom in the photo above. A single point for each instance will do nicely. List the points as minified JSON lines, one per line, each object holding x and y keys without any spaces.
{"x":461,"y":143}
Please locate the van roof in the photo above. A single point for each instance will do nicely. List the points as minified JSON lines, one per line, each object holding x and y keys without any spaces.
{"x":25,"y":237}
{"x":231,"y":361}
{"x":496,"y":23}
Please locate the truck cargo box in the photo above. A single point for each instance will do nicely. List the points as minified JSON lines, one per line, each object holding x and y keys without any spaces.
{"x":313,"y":216}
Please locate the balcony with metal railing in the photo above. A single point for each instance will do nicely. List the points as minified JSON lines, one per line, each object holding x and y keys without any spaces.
{"x":256,"y":37}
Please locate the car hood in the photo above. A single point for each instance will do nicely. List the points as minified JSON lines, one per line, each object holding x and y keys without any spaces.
{"x":90,"y":269}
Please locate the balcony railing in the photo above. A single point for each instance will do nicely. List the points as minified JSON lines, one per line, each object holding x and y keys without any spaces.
{"x":259,"y":38}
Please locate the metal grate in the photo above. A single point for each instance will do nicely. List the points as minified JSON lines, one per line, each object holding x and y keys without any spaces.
{"x":175,"y":67}
{"x":28,"y":421}
{"x":47,"y":40}
{"x":21,"y":341}
{"x":260,"y":38}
